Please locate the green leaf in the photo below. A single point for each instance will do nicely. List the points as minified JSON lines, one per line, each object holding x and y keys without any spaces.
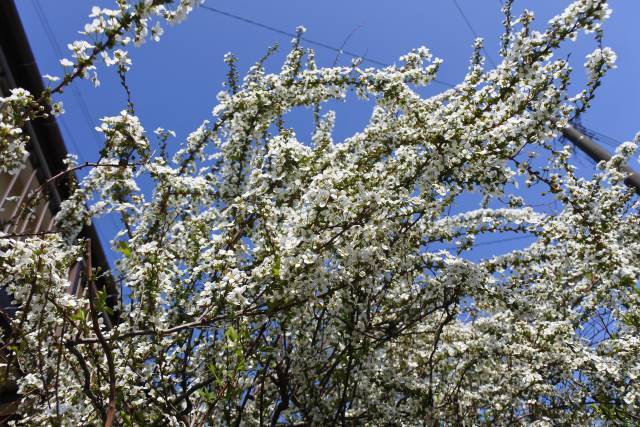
{"x":275,"y":269}
{"x":231,"y":334}
{"x":123,"y":248}
{"x":79,"y":315}
{"x":101,"y":303}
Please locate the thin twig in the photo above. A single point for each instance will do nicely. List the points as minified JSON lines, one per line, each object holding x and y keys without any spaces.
{"x":105,"y":345}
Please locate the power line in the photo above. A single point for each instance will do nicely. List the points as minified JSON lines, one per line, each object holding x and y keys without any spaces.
{"x":473,"y":31}
{"x":84,"y":109}
{"x":290,"y":34}
{"x":87,"y":116}
{"x":344,"y":43}
{"x":580,"y":139}
{"x":49,"y":34}
{"x":67,"y":131}
{"x":339,"y":50}
{"x":494,"y":242}
{"x":42,"y":17}
{"x":307,"y":40}
{"x":601,"y":137}
{"x":508,"y":239}
{"x":364,"y":58}
{"x":597,"y":153}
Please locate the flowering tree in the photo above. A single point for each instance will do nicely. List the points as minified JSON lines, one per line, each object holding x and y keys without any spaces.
{"x":275,"y":280}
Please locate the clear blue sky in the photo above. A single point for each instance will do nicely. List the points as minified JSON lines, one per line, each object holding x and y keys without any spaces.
{"x":174,"y":82}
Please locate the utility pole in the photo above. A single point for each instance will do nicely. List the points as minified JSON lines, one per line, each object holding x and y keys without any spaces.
{"x":597,"y":153}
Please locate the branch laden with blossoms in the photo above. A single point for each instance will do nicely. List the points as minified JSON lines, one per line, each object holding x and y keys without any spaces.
{"x":276,"y":279}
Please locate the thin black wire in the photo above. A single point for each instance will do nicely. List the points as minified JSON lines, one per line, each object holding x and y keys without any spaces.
{"x":493,"y":242}
{"x":508,"y":239}
{"x":61,"y":118}
{"x":307,"y":40}
{"x":87,"y":116}
{"x":598,"y":135}
{"x":601,"y":137}
{"x":473,"y":31}
{"x":611,"y":142}
{"x":364,"y":59}
{"x":80,"y":100}
{"x":84,"y":109}
{"x":344,"y":43}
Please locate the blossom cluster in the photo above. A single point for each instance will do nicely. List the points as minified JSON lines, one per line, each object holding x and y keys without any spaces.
{"x":14,"y":115}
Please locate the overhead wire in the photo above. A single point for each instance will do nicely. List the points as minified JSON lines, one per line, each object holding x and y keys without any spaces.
{"x":507,"y":239}
{"x":339,"y":50}
{"x":61,"y":119}
{"x":611,"y":142}
{"x":599,"y":136}
{"x":473,"y":31}
{"x":307,"y":40}
{"x":364,"y":58}
{"x":344,"y":43}
{"x":494,"y":242}
{"x":82,"y":104}
{"x":370,"y":60}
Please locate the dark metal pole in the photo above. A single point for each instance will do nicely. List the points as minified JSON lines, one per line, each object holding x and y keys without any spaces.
{"x":597,"y":153}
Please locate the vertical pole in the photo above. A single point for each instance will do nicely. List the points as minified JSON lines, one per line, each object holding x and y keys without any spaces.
{"x":597,"y":153}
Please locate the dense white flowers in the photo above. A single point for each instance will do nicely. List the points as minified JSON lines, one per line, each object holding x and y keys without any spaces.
{"x":274,"y":277}
{"x":599,"y":58}
{"x":15,"y":111}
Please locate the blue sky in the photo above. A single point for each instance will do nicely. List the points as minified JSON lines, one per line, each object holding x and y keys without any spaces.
{"x":175,"y":82}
